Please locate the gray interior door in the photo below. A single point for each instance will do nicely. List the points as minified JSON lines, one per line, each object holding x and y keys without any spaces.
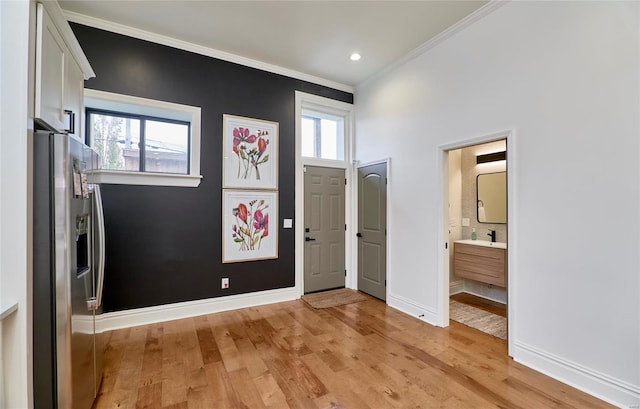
{"x":372,"y":230}
{"x":324,"y":255}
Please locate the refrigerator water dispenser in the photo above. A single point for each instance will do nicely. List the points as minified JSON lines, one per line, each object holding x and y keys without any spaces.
{"x":83,"y":249}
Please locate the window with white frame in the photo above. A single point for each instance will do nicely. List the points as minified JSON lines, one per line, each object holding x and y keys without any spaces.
{"x":324,"y":129}
{"x":142,"y":141}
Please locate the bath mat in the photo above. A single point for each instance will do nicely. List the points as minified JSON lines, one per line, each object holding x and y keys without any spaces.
{"x":473,"y":317}
{"x":332,"y":298}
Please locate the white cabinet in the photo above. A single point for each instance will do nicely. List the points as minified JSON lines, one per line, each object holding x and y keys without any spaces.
{"x":50,"y":72}
{"x":59,"y":84}
{"x":74,"y":99}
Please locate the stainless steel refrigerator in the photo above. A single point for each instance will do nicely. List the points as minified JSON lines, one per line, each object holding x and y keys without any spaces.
{"x":68,"y":273}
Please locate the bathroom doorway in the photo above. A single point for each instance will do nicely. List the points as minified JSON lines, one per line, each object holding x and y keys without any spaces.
{"x":476,"y":222}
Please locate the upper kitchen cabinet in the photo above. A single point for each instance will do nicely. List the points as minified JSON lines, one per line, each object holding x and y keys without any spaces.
{"x":61,"y":68}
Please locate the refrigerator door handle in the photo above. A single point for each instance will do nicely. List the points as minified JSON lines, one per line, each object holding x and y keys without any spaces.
{"x":99,"y":231}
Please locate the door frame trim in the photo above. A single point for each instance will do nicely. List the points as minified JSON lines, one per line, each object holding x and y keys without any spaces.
{"x":442,"y":303}
{"x":303,"y":99}
{"x":354,"y":267}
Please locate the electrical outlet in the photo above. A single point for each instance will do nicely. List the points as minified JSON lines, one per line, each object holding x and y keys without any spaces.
{"x":225,"y":283}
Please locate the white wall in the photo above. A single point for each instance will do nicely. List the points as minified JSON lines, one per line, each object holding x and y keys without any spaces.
{"x":14,"y":47}
{"x":565,"y":77}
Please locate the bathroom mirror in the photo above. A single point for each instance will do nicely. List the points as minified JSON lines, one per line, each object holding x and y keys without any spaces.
{"x":491,"y":197}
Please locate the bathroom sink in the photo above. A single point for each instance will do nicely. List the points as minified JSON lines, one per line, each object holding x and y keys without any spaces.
{"x":484,"y":243}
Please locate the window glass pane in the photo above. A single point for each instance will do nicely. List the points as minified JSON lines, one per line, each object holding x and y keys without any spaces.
{"x":308,"y":137}
{"x":166,"y":147}
{"x":329,"y":141}
{"x":130,"y":142}
{"x":116,"y":139}
{"x":322,"y":136}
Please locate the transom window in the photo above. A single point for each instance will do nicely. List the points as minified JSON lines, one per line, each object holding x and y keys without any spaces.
{"x":322,"y":135}
{"x":139,"y":143}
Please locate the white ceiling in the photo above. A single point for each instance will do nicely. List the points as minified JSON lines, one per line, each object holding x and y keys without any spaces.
{"x":311,"y":37}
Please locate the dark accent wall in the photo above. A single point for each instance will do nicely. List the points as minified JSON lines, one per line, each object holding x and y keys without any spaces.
{"x":163,"y":244}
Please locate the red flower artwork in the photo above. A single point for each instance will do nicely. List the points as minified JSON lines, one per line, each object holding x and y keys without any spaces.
{"x":252,"y":224}
{"x":250,"y":150}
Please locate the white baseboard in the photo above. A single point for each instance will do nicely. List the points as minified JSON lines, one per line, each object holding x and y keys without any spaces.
{"x":149,"y":315}
{"x":456,"y":287}
{"x":605,"y":387}
{"x":409,"y":307}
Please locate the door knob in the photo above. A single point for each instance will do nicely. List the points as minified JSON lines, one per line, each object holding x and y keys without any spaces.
{"x":358,"y":234}
{"x":309,"y":239}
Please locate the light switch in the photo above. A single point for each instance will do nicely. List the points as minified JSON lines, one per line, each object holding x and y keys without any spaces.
{"x":465,"y":221}
{"x":287,"y":223}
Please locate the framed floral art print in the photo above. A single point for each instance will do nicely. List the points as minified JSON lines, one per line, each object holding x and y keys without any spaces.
{"x":250,"y":153}
{"x":249,"y":225}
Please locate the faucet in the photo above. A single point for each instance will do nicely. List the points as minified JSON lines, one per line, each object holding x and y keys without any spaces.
{"x":492,"y":233}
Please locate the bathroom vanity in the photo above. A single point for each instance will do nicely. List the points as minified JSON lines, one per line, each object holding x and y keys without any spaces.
{"x":481,"y":260}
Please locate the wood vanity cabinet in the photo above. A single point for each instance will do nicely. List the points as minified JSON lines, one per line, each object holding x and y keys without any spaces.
{"x":480,"y":263}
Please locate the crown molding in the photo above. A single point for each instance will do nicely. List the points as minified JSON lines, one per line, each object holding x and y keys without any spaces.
{"x":488,"y":8}
{"x":199,"y":49}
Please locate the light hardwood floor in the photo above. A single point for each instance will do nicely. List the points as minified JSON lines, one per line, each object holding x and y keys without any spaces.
{"x":288,"y":355}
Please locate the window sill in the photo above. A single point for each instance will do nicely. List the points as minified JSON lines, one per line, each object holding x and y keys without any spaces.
{"x":143,"y":178}
{"x":329,"y":163}
{"x":6,"y":311}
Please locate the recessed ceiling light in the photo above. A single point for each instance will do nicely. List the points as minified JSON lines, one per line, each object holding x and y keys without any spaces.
{"x":355,"y":57}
